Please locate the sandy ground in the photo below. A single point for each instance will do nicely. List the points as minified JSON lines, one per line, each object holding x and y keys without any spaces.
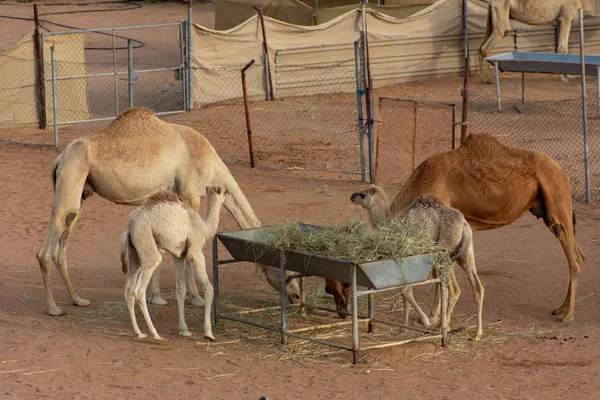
{"x":90,"y":352}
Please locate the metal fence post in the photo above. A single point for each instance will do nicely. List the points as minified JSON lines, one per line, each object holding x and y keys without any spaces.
{"x":361,"y":126}
{"x":40,"y":81}
{"x":130,"y":72}
{"x":465,"y":91}
{"x":183,"y":71}
{"x":584,"y":109}
{"x":368,"y":95}
{"x":115,"y":72}
{"x":247,"y":111}
{"x":54,"y":99}
{"x":190,"y":59}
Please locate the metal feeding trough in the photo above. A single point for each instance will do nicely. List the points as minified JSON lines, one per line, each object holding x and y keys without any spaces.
{"x":381,"y":275}
{"x":546,"y":63}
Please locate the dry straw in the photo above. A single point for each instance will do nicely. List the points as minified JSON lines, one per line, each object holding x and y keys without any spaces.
{"x":356,"y":241}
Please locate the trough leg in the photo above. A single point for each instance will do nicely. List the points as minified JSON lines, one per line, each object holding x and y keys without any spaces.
{"x":282,"y":295}
{"x":354,"y":318}
{"x":371,"y":312}
{"x":302,"y":298}
{"x":215,"y":252}
{"x":443,"y":322}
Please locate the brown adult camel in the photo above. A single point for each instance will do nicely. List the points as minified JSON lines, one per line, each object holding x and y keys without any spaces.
{"x":493,"y":185}
{"x":136,"y":156}
{"x":532,"y":12}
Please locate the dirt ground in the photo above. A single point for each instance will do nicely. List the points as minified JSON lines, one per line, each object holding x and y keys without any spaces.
{"x":90,"y":352}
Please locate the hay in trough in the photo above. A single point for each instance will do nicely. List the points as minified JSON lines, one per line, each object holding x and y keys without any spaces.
{"x":357,"y":241}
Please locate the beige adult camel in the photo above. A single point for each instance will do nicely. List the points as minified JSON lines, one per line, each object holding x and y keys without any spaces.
{"x":493,"y":185}
{"x":532,"y":12}
{"x":136,"y":156}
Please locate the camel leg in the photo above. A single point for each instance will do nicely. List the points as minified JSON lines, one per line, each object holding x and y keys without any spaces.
{"x":563,"y":40}
{"x":567,"y":310}
{"x":155,"y":297}
{"x":408,"y":296}
{"x":468,"y":265}
{"x":193,"y":198}
{"x":197,"y":261}
{"x":497,"y":26}
{"x":453,"y":295}
{"x":140,"y":294}
{"x":65,"y":211}
{"x":132,"y":276}
{"x":434,"y":315}
{"x":179,"y":266}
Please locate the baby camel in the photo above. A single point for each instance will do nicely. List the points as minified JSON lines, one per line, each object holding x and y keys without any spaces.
{"x":446,"y":226}
{"x":165,"y":223}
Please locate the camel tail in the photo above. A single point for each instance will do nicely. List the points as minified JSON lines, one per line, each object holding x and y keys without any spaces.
{"x":125,"y":247}
{"x":463,"y":245}
{"x":54,"y":170}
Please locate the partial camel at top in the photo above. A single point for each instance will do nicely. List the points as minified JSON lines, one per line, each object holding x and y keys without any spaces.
{"x":532,"y":12}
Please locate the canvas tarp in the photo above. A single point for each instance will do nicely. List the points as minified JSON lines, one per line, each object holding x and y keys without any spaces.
{"x":20,"y":103}
{"x":231,"y":13}
{"x":426,"y":44}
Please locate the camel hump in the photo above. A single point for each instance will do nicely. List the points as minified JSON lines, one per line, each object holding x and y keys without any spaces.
{"x":136,"y":112}
{"x":163,"y":196}
{"x":430,"y":201}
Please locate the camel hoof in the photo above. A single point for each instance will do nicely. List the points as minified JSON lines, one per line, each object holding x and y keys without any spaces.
{"x":142,"y":336}
{"x":209,"y":337}
{"x":185,"y":333}
{"x":158,"y":338}
{"x":157,"y":301}
{"x":198,"y":302}
{"x":81,"y":302}
{"x":55,"y":311}
{"x":566,"y":318}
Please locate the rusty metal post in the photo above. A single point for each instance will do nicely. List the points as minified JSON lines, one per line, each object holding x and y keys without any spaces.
{"x":465,"y":90}
{"x":377,"y":144}
{"x":266,"y":52}
{"x":247,"y":110}
{"x":453,"y":126}
{"x":40,"y":81}
{"x":414,"y":138}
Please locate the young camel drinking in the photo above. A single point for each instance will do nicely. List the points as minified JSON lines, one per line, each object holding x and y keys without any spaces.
{"x":165,"y":223}
{"x":446,"y":226}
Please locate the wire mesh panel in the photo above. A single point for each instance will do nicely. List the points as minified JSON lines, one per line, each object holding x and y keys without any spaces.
{"x":303,"y":130}
{"x":114,"y":71}
{"x":409,"y":132}
{"x":552,"y":127}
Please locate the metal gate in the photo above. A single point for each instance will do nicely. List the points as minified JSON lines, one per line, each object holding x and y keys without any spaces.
{"x":409,"y":131}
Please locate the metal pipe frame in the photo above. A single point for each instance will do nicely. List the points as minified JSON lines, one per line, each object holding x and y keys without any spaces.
{"x":130,"y":72}
{"x":584,"y":110}
{"x":54,"y":97}
{"x":116,"y":76}
{"x":284,"y":332}
{"x":497,"y":85}
{"x":110,"y":29}
{"x":247,"y":112}
{"x":361,"y":126}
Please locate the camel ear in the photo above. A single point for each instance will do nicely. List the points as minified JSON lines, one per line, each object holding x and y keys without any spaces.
{"x":371,"y":191}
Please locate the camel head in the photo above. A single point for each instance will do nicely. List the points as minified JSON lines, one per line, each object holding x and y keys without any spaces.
{"x":341,"y":295}
{"x":371,"y":196}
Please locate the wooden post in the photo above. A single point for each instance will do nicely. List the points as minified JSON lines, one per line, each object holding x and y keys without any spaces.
{"x":40,"y":84}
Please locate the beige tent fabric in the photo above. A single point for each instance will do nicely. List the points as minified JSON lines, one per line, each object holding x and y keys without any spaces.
{"x":72,"y":100}
{"x":319,"y":59}
{"x":231,"y":13}
{"x":18,"y":95}
{"x":18,"y":101}
{"x":323,"y":15}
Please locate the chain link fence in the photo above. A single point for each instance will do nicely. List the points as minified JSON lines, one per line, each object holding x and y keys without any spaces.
{"x":552,"y":127}
{"x":408,"y":132}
